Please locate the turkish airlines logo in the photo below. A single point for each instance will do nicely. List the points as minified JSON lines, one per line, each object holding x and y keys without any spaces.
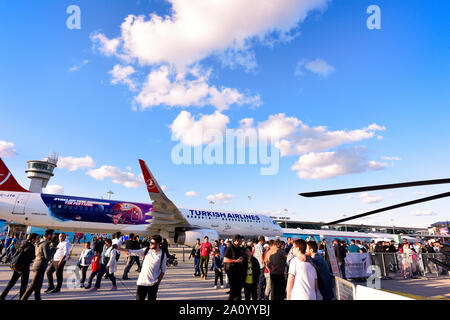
{"x":150,"y":183}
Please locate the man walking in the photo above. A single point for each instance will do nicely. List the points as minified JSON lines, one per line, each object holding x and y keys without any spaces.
{"x":43,"y":255}
{"x":233,"y":258}
{"x":131,"y":244}
{"x":259,"y":255}
{"x":22,"y":266}
{"x":153,"y":269}
{"x":205,"y":251}
{"x":58,"y":263}
{"x":341,"y":253}
{"x":276,"y":263}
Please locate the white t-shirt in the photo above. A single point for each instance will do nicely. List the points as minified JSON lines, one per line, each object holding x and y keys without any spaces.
{"x":62,"y":250}
{"x":305,"y":278}
{"x":150,"y":270}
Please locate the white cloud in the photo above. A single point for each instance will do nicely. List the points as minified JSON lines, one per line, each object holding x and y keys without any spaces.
{"x":191,"y":193}
{"x":54,"y":189}
{"x":367,"y":198}
{"x":419,"y":193}
{"x":164,"y":86}
{"x":121,"y":74}
{"x":195,"y":30}
{"x":336,"y":163}
{"x":297,"y":138}
{"x":7,"y":149}
{"x":196,"y":132}
{"x":126,"y":179}
{"x":74,"y":164}
{"x":317,"y":66}
{"x":221,"y":198}
{"x":423,"y":213}
{"x":78,"y":66}
{"x":106,"y":46}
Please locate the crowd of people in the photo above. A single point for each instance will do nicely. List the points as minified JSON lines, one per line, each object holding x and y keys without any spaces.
{"x":48,"y":254}
{"x":261,"y":269}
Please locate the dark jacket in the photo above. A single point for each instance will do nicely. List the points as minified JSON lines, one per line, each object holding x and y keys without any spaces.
{"x":43,"y":255}
{"x":195,"y":252}
{"x":277,"y":262}
{"x":255,"y":269}
{"x":29,"y":251}
{"x":340,"y":252}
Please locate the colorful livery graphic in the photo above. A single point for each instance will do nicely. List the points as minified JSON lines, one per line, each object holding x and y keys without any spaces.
{"x":93,"y":210}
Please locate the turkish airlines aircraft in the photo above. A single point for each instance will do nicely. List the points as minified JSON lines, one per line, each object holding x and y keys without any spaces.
{"x":78,"y":214}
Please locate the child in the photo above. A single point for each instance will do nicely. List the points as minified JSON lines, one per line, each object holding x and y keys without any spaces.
{"x":218,"y":269}
{"x":95,"y":267}
{"x":85,"y":260}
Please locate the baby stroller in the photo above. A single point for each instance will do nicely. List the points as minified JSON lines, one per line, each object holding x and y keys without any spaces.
{"x":172,"y":260}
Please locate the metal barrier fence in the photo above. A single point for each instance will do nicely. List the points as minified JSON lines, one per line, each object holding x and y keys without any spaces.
{"x":411,"y":265}
{"x":344,"y":290}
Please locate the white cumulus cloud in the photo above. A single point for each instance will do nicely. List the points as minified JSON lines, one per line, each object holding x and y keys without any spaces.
{"x":126,"y":179}
{"x":317,"y":66}
{"x":7,"y":149}
{"x":120,"y":74}
{"x":191,"y":193}
{"x":172,"y":45}
{"x":54,"y":189}
{"x":164,"y":86}
{"x":74,"y":164}
{"x":326,"y":165}
{"x":197,"y":132}
{"x":367,"y":198}
{"x":220,"y":198}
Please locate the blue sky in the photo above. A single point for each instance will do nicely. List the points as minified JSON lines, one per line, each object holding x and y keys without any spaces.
{"x":57,"y":93}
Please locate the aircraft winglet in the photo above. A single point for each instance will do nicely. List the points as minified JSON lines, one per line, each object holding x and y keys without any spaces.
{"x":150,"y":181}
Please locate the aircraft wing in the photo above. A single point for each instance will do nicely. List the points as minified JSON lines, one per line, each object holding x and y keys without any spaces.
{"x":166,"y":215}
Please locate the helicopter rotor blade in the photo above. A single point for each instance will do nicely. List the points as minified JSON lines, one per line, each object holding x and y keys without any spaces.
{"x":372,"y":188}
{"x":404,"y":204}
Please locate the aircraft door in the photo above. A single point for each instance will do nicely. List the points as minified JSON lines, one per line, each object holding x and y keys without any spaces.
{"x":19,"y":207}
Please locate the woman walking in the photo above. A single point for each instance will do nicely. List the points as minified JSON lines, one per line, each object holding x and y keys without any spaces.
{"x":108,"y":265}
{"x":85,"y":260}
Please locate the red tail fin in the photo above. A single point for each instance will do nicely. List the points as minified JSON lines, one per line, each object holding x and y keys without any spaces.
{"x":152,"y":185}
{"x":7,"y":181}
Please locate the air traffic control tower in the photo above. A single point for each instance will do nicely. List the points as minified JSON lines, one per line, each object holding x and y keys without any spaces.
{"x":40,"y":172}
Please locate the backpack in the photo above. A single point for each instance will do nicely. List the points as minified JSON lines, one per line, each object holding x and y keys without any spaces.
{"x":18,"y":262}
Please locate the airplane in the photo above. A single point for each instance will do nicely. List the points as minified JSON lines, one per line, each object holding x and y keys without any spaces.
{"x":87,"y":215}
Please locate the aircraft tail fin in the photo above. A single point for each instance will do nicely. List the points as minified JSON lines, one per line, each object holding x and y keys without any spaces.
{"x":152,"y":185}
{"x":7,"y":181}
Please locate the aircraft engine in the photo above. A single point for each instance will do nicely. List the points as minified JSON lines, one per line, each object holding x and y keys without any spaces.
{"x":189,"y":238}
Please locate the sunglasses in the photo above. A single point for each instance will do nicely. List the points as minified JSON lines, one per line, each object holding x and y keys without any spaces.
{"x":152,"y":242}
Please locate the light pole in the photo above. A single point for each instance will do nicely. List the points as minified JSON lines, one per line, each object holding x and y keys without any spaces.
{"x":393,"y":230}
{"x":110,"y":193}
{"x":345,"y":224}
